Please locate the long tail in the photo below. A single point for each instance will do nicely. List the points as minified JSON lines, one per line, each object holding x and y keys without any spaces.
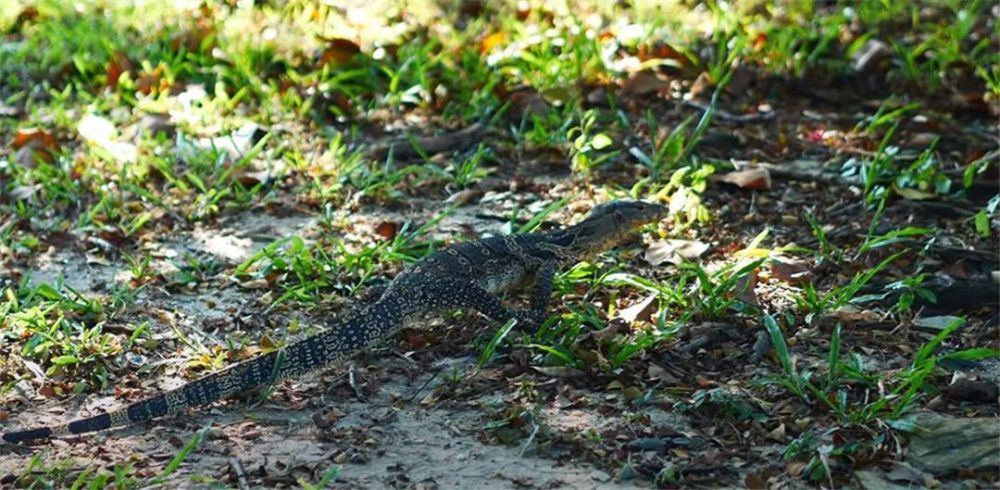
{"x":367,"y":326}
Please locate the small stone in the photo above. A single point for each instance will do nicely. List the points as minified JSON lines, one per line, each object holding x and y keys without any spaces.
{"x":598,"y":475}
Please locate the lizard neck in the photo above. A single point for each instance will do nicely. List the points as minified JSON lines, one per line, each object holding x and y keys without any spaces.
{"x":578,"y":243}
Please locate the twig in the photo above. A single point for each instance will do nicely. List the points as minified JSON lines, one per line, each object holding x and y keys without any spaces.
{"x":531,"y":438}
{"x":351,"y":380}
{"x":421,"y":388}
{"x":241,"y":474}
{"x":730,"y":117}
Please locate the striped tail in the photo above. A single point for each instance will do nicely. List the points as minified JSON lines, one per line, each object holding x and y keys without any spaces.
{"x":351,"y":336}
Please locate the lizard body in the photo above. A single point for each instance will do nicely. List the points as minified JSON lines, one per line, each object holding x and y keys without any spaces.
{"x":466,"y":275}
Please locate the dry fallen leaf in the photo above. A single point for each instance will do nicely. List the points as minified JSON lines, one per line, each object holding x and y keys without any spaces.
{"x":790,"y":271}
{"x":338,"y":51}
{"x":526,"y":103}
{"x":34,"y":144}
{"x":119,"y":63}
{"x":777,"y":434}
{"x":642,"y":310}
{"x":644,"y":82}
{"x":758,"y":179}
{"x":387,"y":230}
{"x":674,"y":251}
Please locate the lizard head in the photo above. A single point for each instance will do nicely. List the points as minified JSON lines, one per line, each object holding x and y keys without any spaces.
{"x":628,"y":214}
{"x":609,"y":224}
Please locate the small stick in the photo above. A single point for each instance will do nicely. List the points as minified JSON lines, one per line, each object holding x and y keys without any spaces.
{"x":241,"y":474}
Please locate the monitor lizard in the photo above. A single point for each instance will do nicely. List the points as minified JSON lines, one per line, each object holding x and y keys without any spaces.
{"x":466,"y":275}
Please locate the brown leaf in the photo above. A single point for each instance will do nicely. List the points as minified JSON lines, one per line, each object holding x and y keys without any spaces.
{"x":609,"y":332}
{"x":660,"y":51}
{"x":35,"y":138}
{"x":752,"y":178}
{"x":26,"y":15}
{"x":47,"y":390}
{"x":790,"y":271}
{"x":198,"y":39}
{"x":702,"y":87}
{"x":118,"y":64}
{"x":338,"y":51}
{"x":644,"y":82}
{"x":249,"y":179}
{"x":526,"y":103}
{"x":152,"y":81}
{"x":33,"y":144}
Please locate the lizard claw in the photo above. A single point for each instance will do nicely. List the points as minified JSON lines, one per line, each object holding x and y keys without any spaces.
{"x":528,"y":321}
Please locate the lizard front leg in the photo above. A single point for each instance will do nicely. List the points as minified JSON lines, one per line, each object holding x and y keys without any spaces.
{"x":544,"y":277}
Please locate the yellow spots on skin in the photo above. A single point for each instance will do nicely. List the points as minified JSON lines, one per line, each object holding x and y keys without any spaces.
{"x":119,"y":418}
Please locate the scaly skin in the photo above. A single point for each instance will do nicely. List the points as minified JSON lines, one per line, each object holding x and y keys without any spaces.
{"x":464,"y":276}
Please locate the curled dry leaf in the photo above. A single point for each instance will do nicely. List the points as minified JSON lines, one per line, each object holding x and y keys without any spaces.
{"x":338,"y":51}
{"x":118,"y":64}
{"x":152,"y":81}
{"x":387,"y":230}
{"x":757,"y":179}
{"x":644,"y":82}
{"x":34,"y":144}
{"x":674,"y":251}
{"x":790,"y":271}
{"x":777,"y":434}
{"x":526,"y":103}
{"x":702,"y":87}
